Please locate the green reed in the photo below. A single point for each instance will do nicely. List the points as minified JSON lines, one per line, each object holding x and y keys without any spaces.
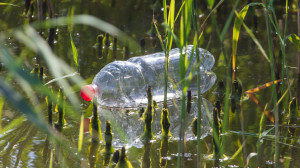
{"x":24,"y":96}
{"x":221,"y":36}
{"x":269,"y":4}
{"x":271,"y":24}
{"x":168,"y":24}
{"x":185,"y":22}
{"x":197,"y":36}
{"x":148,"y":117}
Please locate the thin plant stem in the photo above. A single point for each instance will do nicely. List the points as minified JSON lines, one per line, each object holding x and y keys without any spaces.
{"x":272,"y":78}
{"x":298,"y":53}
{"x":195,"y":26}
{"x":185,"y":22}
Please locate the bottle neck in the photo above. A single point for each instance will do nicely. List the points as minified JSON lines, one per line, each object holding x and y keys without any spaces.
{"x":96,"y":89}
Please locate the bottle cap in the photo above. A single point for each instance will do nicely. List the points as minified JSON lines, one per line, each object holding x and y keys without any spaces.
{"x":88,"y":92}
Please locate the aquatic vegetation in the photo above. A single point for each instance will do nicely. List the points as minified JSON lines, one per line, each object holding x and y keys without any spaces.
{"x":48,"y":52}
{"x":148,"y":117}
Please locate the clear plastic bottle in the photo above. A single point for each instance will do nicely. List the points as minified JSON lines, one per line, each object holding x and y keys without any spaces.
{"x":123,"y":83}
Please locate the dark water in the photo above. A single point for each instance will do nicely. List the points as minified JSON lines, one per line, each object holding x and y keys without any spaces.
{"x":26,"y":146}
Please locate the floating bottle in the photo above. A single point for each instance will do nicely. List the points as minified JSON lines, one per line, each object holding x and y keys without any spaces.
{"x":123,"y":83}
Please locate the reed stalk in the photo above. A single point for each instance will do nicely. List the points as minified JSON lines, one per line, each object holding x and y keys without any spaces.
{"x":61,"y":110}
{"x":198,"y":61}
{"x":221,"y":36}
{"x":123,"y":161}
{"x":148,"y":117}
{"x":95,"y":129}
{"x":163,"y":151}
{"x":49,"y":105}
{"x":269,"y":4}
{"x":165,"y":123}
{"x":298,"y":52}
{"x":216,"y":137}
{"x":99,"y":45}
{"x":185,"y":22}
{"x":167,"y":45}
{"x":108,"y":138}
{"x":93,"y":154}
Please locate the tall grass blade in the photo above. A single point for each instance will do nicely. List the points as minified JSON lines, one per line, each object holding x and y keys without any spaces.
{"x":185,"y":26}
{"x":171,"y":22}
{"x":179,"y":11}
{"x":56,"y":66}
{"x":18,"y":101}
{"x":2,"y":100}
{"x":80,"y":137}
{"x":159,"y":36}
{"x":210,"y":13}
{"x":13,"y":124}
{"x":8,"y":4}
{"x":229,"y":19}
{"x":63,"y":77}
{"x":51,"y":159}
{"x":75,"y":53}
{"x":294,"y":39}
{"x":298,"y":53}
{"x":238,"y":151}
{"x":249,"y":157}
{"x":236,"y":33}
{"x":269,"y":31}
{"x":210,"y":3}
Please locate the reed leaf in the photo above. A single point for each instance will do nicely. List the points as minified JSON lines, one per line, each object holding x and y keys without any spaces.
{"x":236,"y":33}
{"x":228,"y":21}
{"x":56,"y":66}
{"x":210,"y":13}
{"x":80,"y":136}
{"x":2,"y":100}
{"x":210,"y":3}
{"x":294,"y":39}
{"x":238,"y":151}
{"x":75,"y":53}
{"x":7,"y":4}
{"x":19,"y":102}
{"x":171,"y":22}
{"x":12,"y":124}
{"x":268,"y":6}
{"x":159,"y":37}
{"x":249,"y":157}
{"x":179,"y":11}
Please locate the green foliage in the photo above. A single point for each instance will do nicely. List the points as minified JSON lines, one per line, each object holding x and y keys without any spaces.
{"x":13,"y":124}
{"x":60,"y":110}
{"x":2,"y":100}
{"x":236,"y":33}
{"x":294,"y":39}
{"x":210,"y":3}
{"x":80,"y":136}
{"x":75,"y":53}
{"x":8,"y":4}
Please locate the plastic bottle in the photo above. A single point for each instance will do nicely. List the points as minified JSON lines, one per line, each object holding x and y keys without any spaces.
{"x":124,"y":83}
